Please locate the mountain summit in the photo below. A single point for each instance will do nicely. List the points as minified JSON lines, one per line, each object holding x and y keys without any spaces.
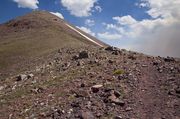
{"x":36,"y":34}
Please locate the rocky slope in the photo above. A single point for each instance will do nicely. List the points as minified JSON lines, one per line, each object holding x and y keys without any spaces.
{"x":28,"y":37}
{"x":93,"y":83}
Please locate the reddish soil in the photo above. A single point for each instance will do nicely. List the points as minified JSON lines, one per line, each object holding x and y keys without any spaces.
{"x":97,"y":83}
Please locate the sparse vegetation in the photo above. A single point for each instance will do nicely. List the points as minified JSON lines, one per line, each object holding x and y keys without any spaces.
{"x":118,"y":72}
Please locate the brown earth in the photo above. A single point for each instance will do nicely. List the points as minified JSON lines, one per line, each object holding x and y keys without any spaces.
{"x":96,"y":83}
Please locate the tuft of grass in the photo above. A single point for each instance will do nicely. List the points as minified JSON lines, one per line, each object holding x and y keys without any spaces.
{"x":118,"y":72}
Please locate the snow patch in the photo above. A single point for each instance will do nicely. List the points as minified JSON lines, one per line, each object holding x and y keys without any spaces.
{"x":83,"y":35}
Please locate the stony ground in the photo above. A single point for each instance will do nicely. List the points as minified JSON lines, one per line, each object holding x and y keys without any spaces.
{"x":94,"y":83}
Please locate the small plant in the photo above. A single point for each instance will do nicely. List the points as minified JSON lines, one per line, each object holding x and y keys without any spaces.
{"x":118,"y":72}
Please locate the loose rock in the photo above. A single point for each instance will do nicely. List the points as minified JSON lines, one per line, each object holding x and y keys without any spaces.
{"x":114,"y":99}
{"x":30,"y":76}
{"x":22,"y":77}
{"x":83,"y":54}
{"x":96,"y":88}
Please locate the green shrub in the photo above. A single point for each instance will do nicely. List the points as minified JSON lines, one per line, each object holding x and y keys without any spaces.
{"x":118,"y":72}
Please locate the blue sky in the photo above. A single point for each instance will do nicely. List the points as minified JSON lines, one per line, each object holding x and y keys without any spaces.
{"x":9,"y":10}
{"x":148,"y":26}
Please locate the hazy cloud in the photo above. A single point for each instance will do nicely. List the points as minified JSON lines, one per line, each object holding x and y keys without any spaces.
{"x":108,"y":35}
{"x":157,"y":36}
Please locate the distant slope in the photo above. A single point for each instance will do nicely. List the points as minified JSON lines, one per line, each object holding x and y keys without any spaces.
{"x":36,"y":34}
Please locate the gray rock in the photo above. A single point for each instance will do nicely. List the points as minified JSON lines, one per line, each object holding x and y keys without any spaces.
{"x":144,"y":65}
{"x":117,"y":93}
{"x":22,"y":77}
{"x":83,"y":54}
{"x":30,"y":75}
{"x":96,"y":88}
{"x":114,"y":99}
{"x":128,"y":109}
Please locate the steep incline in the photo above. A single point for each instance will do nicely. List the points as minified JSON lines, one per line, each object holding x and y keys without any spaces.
{"x":36,"y":34}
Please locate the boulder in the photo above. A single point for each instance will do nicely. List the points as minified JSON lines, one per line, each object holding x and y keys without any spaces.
{"x":83,"y":54}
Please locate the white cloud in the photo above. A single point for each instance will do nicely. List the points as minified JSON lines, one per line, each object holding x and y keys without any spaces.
{"x":157,"y":36}
{"x":89,"y":22}
{"x":79,"y":8}
{"x":57,"y":14}
{"x":98,"y":8}
{"x":114,"y":27}
{"x":125,"y":20}
{"x":32,"y":4}
{"x":87,"y":30}
{"x":107,"y":36}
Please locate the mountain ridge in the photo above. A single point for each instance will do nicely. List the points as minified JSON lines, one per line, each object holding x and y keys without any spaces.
{"x":36,"y":34}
